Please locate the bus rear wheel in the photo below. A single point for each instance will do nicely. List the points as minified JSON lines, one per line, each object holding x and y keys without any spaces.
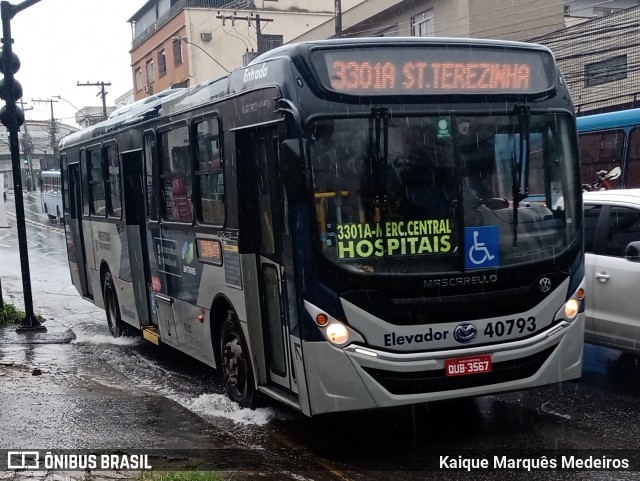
{"x":235,"y":364}
{"x":111,"y":306}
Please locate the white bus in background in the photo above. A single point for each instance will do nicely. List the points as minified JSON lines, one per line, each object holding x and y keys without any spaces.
{"x":51,"y":194}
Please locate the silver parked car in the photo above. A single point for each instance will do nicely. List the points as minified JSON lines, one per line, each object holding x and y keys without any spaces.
{"x":612,"y":263}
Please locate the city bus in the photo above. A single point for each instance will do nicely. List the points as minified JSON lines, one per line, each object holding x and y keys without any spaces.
{"x":611,"y":140}
{"x":344,"y":224}
{"x":51,"y":194}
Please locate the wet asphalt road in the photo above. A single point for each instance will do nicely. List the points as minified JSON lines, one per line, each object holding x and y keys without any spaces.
{"x":96,"y":392}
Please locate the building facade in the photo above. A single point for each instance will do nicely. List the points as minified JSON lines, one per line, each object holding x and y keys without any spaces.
{"x":509,"y":20}
{"x":178,"y":43}
{"x":38,"y":151}
{"x":600,"y":61}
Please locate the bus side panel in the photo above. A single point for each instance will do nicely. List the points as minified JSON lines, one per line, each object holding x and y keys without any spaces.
{"x":106,"y":252}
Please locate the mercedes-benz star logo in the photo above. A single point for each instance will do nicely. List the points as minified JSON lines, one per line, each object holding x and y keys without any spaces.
{"x":465,"y":333}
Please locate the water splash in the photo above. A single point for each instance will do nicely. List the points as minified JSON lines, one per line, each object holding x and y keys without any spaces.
{"x":96,"y":339}
{"x":219,"y":405}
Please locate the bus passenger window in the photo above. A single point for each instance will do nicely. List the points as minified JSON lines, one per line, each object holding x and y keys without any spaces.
{"x":85,"y":184}
{"x":632,"y":175}
{"x":210,"y":173}
{"x":175,"y":175}
{"x":96,"y":180}
{"x":151,"y":169}
{"x":600,"y":151}
{"x":113,"y":181}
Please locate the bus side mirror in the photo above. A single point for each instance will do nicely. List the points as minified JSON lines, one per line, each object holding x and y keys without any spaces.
{"x":293,"y":168}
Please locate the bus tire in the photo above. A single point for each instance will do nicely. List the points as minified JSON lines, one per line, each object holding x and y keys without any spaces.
{"x":111,"y":306}
{"x":46,"y":211}
{"x":235,"y":364}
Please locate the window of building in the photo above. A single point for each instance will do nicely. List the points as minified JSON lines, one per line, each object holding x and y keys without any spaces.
{"x":605,"y":71}
{"x":210,"y":172}
{"x":114,"y":206}
{"x":175,"y":174}
{"x":138,"y":79}
{"x":268,"y":42}
{"x":423,"y":24}
{"x":162,"y":63}
{"x":177,"y":52}
{"x":96,"y":182}
{"x":150,"y":75}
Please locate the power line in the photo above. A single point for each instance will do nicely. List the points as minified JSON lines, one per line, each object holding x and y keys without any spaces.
{"x":102,"y":94}
{"x":249,"y":18}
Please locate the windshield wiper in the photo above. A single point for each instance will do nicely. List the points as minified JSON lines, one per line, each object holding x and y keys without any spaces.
{"x":380,"y":152}
{"x":520,"y":167}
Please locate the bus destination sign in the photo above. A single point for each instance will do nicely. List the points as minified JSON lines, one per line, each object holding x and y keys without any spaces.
{"x":412,"y":71}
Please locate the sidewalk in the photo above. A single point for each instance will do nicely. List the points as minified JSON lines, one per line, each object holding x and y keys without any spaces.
{"x":35,"y":398}
{"x":48,"y":402}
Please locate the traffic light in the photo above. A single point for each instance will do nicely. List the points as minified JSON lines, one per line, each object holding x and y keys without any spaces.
{"x":11,"y":115}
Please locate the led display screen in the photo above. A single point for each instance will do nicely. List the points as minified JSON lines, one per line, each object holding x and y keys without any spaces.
{"x":438,"y":71}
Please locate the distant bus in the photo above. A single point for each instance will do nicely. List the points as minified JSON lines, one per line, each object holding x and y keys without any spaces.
{"x":344,"y":225}
{"x":51,"y":194}
{"x":611,"y":140}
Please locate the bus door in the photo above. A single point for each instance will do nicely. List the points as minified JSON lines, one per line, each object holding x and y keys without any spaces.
{"x":258,"y":171}
{"x":75,"y":229}
{"x":134,"y":209}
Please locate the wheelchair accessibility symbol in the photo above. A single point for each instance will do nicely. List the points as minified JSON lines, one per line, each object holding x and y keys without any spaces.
{"x":481,"y":246}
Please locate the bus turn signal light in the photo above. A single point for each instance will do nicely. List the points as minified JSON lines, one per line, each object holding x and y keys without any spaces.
{"x":322,"y":319}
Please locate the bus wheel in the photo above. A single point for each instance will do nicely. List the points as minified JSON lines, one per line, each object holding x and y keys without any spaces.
{"x":111,"y":306}
{"x":235,"y":364}
{"x":46,"y":211}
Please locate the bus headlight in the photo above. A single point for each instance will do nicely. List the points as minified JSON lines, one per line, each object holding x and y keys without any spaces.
{"x":337,"y":333}
{"x":571,"y":308}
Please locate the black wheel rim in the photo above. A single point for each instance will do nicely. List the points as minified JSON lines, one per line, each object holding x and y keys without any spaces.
{"x":111,"y":313}
{"x":234,"y":366}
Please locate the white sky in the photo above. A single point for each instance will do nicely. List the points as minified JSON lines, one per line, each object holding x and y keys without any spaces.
{"x":63,"y":42}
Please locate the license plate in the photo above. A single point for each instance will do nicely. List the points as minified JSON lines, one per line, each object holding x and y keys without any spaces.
{"x":462,"y":366}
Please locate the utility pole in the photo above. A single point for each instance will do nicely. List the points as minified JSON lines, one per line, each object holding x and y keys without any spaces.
{"x":54,"y":127}
{"x":338,"y":20}
{"x":12,"y":118}
{"x":248,"y":19}
{"x":103,"y":93}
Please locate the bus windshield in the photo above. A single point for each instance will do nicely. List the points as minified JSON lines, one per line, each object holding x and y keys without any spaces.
{"x":405,"y":194}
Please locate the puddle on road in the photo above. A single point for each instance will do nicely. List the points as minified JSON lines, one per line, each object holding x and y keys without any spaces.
{"x":127,"y":363}
{"x":132,"y":364}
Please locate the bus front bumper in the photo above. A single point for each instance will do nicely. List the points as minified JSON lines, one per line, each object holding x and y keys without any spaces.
{"x":356,"y":377}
